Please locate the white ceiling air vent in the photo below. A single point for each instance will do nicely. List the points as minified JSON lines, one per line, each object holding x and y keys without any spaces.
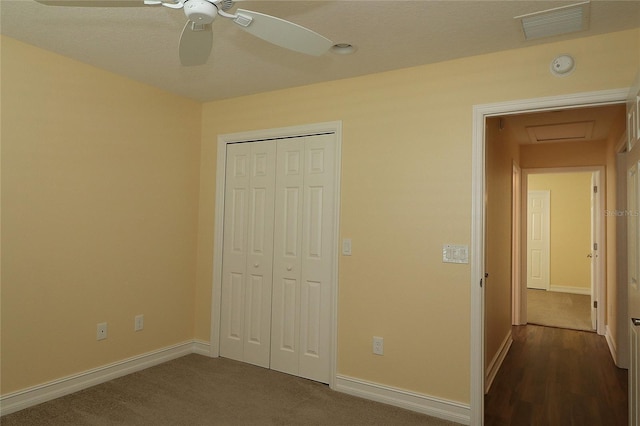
{"x":561,"y":132}
{"x":552,"y":22}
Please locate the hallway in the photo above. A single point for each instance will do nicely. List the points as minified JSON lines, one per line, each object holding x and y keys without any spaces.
{"x":553,"y":376}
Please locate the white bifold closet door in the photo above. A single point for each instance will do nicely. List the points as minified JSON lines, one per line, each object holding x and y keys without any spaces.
{"x":247,"y":259}
{"x":279,"y":210}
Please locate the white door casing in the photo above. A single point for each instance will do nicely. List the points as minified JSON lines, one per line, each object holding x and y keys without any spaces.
{"x":633,"y":275}
{"x":516,"y":220}
{"x":595,"y":232}
{"x":632,"y":235}
{"x":538,"y":239}
{"x":632,"y":213}
{"x":598,"y":293}
{"x":634,"y":385}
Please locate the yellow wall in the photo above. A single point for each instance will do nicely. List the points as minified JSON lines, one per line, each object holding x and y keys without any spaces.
{"x":500,"y":156}
{"x":616,"y":327}
{"x":570,"y":227}
{"x":99,"y":216}
{"x":406,"y":190}
{"x":105,"y":216}
{"x":569,"y":154}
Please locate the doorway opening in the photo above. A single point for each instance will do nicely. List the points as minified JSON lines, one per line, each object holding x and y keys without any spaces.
{"x":564,"y":248}
{"x":480,"y":335}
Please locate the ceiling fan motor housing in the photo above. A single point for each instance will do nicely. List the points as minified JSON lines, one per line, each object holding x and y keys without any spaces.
{"x":200,"y":11}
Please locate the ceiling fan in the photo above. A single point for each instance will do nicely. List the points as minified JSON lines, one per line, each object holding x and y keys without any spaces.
{"x":197,"y":38}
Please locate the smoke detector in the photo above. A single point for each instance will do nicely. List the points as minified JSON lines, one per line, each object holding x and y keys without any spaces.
{"x":562,"y":65}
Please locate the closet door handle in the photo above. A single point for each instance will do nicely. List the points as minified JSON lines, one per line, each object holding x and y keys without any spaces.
{"x":255,"y":265}
{"x":289,"y":268}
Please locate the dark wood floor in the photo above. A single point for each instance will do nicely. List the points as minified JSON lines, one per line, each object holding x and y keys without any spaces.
{"x":553,"y":376}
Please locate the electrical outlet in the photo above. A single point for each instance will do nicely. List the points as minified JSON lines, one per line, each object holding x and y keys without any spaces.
{"x":378,"y":345}
{"x":138,"y":322}
{"x":101,"y":331}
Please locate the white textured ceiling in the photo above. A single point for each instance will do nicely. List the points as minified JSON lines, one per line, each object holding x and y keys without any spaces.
{"x":142,"y":42}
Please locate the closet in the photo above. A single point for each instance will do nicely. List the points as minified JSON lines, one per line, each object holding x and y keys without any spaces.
{"x":278,"y":251}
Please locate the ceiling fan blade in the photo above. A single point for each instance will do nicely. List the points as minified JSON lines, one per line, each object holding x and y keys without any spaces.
{"x":93,"y":3}
{"x":195,"y":44}
{"x":282,"y":33}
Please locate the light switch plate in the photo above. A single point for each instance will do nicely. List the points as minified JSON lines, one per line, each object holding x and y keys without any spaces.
{"x":452,"y":253}
{"x":346,"y":247}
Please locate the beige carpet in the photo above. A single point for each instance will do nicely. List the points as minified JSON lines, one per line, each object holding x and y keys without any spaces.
{"x":557,"y":309}
{"x":197,"y":390}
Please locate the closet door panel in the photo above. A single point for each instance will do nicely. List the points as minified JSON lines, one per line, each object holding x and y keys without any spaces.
{"x":248,"y":252}
{"x":260,"y":253}
{"x":287,"y":255}
{"x":317,"y":258}
{"x":234,"y":260}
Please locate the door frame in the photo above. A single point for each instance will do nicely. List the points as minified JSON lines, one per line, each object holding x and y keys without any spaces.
{"x":622,"y":318}
{"x":480,"y":113}
{"x":269,"y":134}
{"x":516,"y":248}
{"x":600,"y":293}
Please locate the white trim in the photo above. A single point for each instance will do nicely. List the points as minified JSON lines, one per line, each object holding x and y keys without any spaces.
{"x":612,"y":345}
{"x":480,"y":113}
{"x":601,"y":285}
{"x":436,"y":407}
{"x":570,"y":290}
{"x":517,"y":289}
{"x":476,"y":398}
{"x":622,"y":311}
{"x":201,"y":347}
{"x":38,"y":394}
{"x":496,"y":362}
{"x":293,"y":131}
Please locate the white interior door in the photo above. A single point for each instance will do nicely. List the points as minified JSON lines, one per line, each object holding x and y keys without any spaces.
{"x":303,"y":257}
{"x":248,"y":252}
{"x":595,"y":207}
{"x":538,"y":239}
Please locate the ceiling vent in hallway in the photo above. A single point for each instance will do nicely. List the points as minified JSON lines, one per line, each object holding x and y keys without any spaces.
{"x":556,"y":21}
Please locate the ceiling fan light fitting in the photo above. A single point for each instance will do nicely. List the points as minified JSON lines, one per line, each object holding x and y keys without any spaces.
{"x":200,"y":11}
{"x":343,"y":48}
{"x":243,"y":20}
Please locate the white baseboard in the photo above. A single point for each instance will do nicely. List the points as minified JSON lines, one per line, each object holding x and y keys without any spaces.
{"x":34,"y":395}
{"x":15,"y":401}
{"x":572,"y":290}
{"x":201,"y":347}
{"x":612,"y":344}
{"x":436,"y":407}
{"x":497,"y":360}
